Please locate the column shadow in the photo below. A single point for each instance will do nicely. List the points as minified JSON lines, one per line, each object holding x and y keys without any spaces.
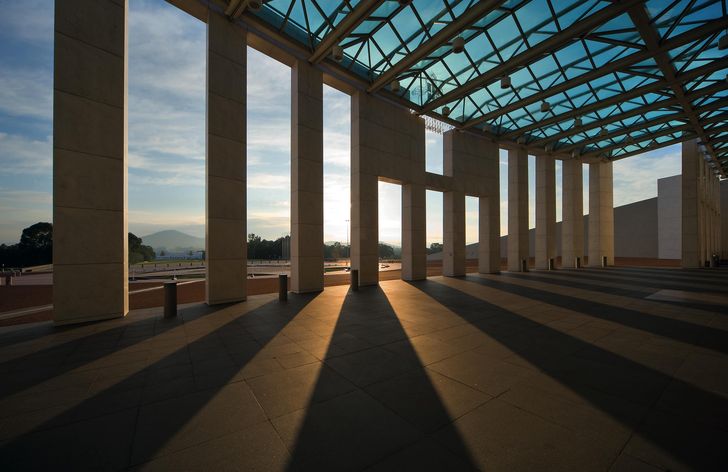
{"x":608,"y":381}
{"x":134,"y":418}
{"x":388,"y":418}
{"x":658,"y":281}
{"x":678,"y":330}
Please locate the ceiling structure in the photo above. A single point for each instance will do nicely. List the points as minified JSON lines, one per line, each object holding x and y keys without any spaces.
{"x":572,"y":78}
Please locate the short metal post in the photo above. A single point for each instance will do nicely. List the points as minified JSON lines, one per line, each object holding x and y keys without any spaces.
{"x":524,"y":265}
{"x":282,"y":287}
{"x":170,"y":299}
{"x":604,"y":261}
{"x":355,"y":280}
{"x":8,"y":280}
{"x":551,"y":264}
{"x":578,"y":263}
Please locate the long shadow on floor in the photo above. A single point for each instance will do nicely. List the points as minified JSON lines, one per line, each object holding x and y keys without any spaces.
{"x":138,"y":415}
{"x":678,"y":330}
{"x":658,"y":281}
{"x":688,"y":275}
{"x":388,"y":418}
{"x":577,"y":280}
{"x":680,"y":418}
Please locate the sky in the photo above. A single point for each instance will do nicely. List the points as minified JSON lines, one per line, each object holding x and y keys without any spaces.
{"x":166,"y":155}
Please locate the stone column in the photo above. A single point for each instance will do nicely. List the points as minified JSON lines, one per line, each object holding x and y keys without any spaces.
{"x":489,"y":259}
{"x":307,"y":178}
{"x":414,"y":238}
{"x":517,"y":208}
{"x":414,"y":207}
{"x":453,"y":251}
{"x":90,"y":273}
{"x":364,"y":194}
{"x":453,"y":259}
{"x":545,"y":211}
{"x":691,"y":224}
{"x":225,"y":202}
{"x":572,"y":226}
{"x":601,"y":214}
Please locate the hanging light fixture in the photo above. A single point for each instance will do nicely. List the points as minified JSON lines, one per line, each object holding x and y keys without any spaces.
{"x":521,"y":139}
{"x":575,"y":154}
{"x":505,"y":82}
{"x":445,"y":111}
{"x":577,"y":122}
{"x":545,"y":106}
{"x":337,"y":53}
{"x":723,"y":42}
{"x":255,"y":5}
{"x":458,"y":45}
{"x":395,"y":86}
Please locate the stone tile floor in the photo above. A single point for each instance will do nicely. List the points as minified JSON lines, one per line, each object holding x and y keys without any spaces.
{"x":565,"y":370}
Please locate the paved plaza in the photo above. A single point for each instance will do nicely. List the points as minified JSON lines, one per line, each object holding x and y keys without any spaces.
{"x":595,"y":369}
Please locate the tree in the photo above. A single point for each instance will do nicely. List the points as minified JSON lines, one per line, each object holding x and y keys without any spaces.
{"x":434,"y":247}
{"x":386,"y":251}
{"x":35,"y":247}
{"x":139,"y":252}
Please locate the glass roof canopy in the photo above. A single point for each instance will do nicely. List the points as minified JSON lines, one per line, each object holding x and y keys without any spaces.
{"x":590,"y":78}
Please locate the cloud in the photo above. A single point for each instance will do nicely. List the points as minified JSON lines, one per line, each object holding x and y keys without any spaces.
{"x":26,"y":92}
{"x":30,"y":20}
{"x":635,"y":178}
{"x":25,"y":156}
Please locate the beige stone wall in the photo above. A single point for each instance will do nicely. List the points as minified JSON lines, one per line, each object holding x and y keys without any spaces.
{"x":517,"y":208}
{"x":90,"y":161}
{"x":572,"y":227}
{"x":225,"y":199}
{"x":601,"y":214}
{"x":545,"y":242}
{"x":471,"y":168}
{"x":307,"y":178}
{"x":388,"y":143}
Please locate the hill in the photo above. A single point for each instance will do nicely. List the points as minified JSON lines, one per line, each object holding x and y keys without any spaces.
{"x":173,"y":241}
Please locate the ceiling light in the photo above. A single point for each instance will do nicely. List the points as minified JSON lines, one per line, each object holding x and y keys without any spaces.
{"x":723,"y":42}
{"x":545,"y":106}
{"x":505,"y":82}
{"x":445,"y":111}
{"x":254,"y":5}
{"x":575,"y":154}
{"x":395,"y":86}
{"x":337,"y":53}
{"x":521,"y":140}
{"x":577,"y":122}
{"x":458,"y":45}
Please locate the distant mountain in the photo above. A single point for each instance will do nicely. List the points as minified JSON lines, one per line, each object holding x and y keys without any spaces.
{"x":173,"y":241}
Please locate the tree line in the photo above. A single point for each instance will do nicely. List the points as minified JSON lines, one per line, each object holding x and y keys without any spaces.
{"x":36,"y":248}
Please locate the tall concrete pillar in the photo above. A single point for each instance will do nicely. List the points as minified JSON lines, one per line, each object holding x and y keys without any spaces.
{"x":307,"y":178}
{"x":691,"y":211}
{"x":453,"y":250}
{"x":453,"y":262}
{"x":517,"y":208}
{"x":414,"y":208}
{"x":225,"y":202}
{"x":414,"y":231}
{"x":489,"y":258}
{"x":364,"y":194}
{"x":545,"y":211}
{"x":572,"y":200}
{"x":90,"y":273}
{"x":601,"y":214}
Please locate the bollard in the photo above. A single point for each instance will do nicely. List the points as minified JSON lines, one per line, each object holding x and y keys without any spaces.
{"x":170,"y":299}
{"x":8,"y":280}
{"x":551,"y":264}
{"x":604,"y":261}
{"x":282,"y":288}
{"x":355,"y":280}
{"x":578,"y":263}
{"x":524,"y":265}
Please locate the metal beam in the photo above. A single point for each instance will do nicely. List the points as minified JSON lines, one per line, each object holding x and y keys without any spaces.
{"x":609,"y":68}
{"x":636,"y":128}
{"x":653,"y":148}
{"x":652,"y":41}
{"x":360,"y":13}
{"x":637,"y":139}
{"x":470,"y":16}
{"x":638,"y":111}
{"x":551,"y":44}
{"x":649,"y":88}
